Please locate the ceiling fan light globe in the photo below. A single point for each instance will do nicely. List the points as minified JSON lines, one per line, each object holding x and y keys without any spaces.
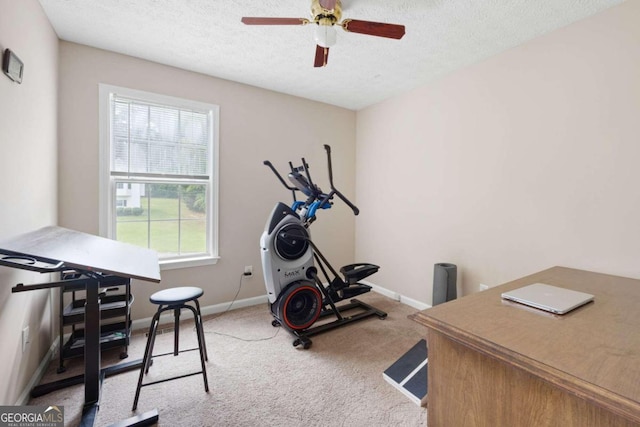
{"x":325,"y":35}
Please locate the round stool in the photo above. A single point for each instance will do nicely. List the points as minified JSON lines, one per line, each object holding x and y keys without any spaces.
{"x":174,"y":299}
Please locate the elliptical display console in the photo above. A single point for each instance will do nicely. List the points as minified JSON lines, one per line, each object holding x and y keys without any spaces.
{"x":298,"y":298}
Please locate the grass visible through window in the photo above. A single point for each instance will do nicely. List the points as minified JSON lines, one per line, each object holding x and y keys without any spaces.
{"x":174,"y":228}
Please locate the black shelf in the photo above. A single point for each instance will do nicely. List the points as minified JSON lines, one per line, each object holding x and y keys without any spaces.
{"x":110,"y":306}
{"x":115,"y":305}
{"x":111,"y":336}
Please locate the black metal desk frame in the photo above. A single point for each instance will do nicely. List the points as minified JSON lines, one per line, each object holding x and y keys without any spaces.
{"x":94,"y":375}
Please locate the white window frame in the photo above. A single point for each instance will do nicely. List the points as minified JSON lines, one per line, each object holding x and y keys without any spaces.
{"x":107,"y":186}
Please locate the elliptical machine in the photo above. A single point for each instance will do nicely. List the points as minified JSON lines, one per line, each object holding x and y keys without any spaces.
{"x":297,"y":296}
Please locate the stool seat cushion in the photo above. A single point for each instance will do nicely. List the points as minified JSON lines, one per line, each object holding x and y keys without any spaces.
{"x":177,"y":295}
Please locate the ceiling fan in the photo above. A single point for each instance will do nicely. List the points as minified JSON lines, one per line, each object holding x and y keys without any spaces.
{"x":326,"y":14}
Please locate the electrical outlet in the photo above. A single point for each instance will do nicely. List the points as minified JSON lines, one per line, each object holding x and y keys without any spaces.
{"x":483,"y":287}
{"x":26,"y":339}
{"x":248,"y":270}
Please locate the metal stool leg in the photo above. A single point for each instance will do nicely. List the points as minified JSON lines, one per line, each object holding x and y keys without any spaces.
{"x":176,"y":330}
{"x":152,"y":337}
{"x":201,"y":342}
{"x":147,"y":356}
{"x":201,"y":330}
{"x":200,"y":347}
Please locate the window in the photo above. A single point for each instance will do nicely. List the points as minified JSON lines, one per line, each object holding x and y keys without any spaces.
{"x":158,"y":174}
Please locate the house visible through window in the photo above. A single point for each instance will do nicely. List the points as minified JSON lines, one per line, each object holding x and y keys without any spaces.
{"x":158,"y":164}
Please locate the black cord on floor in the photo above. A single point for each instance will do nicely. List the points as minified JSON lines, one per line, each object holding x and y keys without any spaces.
{"x":242,"y":276}
{"x":247,"y":339}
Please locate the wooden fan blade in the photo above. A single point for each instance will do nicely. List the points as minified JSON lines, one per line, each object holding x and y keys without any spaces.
{"x":274,"y":21}
{"x":380,"y":29}
{"x":328,"y":4}
{"x":322,"y":55}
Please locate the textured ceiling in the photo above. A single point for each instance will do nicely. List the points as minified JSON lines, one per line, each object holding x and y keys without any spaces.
{"x":207,"y":36}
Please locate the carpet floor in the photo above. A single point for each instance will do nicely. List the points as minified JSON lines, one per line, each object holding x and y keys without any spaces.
{"x":257,"y":378}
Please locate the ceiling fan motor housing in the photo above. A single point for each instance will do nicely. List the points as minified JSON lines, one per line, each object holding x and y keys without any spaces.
{"x":322,"y":16}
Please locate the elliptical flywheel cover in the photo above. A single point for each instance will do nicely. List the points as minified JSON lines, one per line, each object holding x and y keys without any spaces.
{"x":299,"y":306}
{"x":291,"y":241}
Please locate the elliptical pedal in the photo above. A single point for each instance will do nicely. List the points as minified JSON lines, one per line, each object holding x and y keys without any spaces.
{"x":353,"y":273}
{"x":355,"y":290}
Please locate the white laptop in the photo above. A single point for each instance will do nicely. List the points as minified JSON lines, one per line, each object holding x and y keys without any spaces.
{"x":549,"y":298}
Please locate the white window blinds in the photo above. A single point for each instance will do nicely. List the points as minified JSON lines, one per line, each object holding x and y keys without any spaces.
{"x":150,"y":139}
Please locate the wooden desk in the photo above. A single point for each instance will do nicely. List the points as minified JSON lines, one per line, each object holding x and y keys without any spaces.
{"x":51,"y":249}
{"x":496,"y":363}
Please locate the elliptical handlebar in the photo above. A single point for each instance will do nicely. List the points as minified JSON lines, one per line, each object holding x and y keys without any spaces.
{"x":273,"y":169}
{"x":312,"y":191}
{"x":353,"y":207}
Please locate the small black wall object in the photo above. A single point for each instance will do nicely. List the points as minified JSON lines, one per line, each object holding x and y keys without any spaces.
{"x":12,"y":66}
{"x":444,"y":283}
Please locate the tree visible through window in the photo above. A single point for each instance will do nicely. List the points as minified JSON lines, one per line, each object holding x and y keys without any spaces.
{"x":158,"y":175}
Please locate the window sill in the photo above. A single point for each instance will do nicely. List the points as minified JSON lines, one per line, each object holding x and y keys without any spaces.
{"x":172,"y":264}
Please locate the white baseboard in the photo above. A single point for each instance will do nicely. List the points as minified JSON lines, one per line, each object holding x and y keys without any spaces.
{"x":414,"y":303}
{"x":396,"y":296}
{"x":23,"y":399}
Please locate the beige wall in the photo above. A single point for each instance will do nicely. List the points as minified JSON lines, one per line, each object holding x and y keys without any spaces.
{"x":28,"y":167}
{"x":255,"y":125}
{"x":522,"y":162}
